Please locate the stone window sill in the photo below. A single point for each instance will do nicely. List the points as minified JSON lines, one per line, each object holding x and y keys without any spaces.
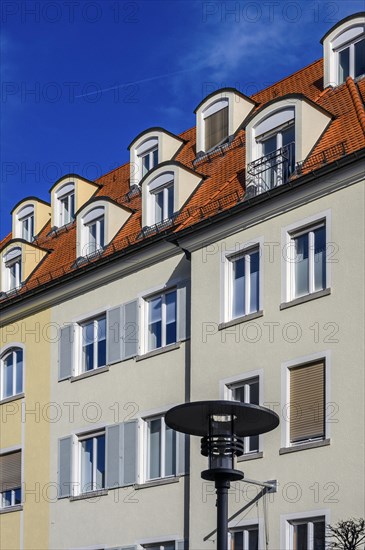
{"x":158,"y":351}
{"x":9,"y":509}
{"x":306,"y":298}
{"x":242,"y":319}
{"x":12,"y":398}
{"x":89,"y":373}
{"x":304,"y":446}
{"x":157,"y":482}
{"x":250,"y":456}
{"x":91,"y":494}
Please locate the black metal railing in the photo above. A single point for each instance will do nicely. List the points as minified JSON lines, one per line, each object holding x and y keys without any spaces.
{"x":271,"y":170}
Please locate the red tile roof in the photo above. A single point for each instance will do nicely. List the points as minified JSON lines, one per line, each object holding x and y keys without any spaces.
{"x":224,"y":170}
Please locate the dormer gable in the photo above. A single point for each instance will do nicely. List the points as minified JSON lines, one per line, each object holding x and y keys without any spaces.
{"x":344,"y":50}
{"x":29,"y":216}
{"x":18,"y":259}
{"x":98,"y":221}
{"x":165,"y":190}
{"x":149,"y":149}
{"x":68,"y":195}
{"x":219,"y":116}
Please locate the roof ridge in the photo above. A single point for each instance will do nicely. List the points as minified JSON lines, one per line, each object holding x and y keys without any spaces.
{"x":357,"y":101}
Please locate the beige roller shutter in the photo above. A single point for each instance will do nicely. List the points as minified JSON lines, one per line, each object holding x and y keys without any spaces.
{"x":10,"y":471}
{"x":307,"y":399}
{"x":216,"y":128}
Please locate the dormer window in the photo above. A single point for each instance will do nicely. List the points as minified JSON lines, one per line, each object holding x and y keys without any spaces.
{"x":26,"y":222}
{"x":147,"y":156}
{"x":149,"y":160}
{"x":94,"y":227}
{"x":161,"y":191}
{"x":216,"y":124}
{"x":351,"y":60}
{"x":66,"y":204}
{"x":13,"y":269}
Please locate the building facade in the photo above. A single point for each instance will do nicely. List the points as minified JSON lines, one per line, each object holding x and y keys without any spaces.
{"x":224,"y":263}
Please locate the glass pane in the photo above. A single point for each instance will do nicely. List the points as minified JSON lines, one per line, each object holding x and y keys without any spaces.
{"x":6,"y":498}
{"x":155,"y":157}
{"x":92,"y":239}
{"x":72,"y":206}
{"x":155,"y":323}
{"x":170,"y":452}
{"x":159,"y":207}
{"x":269,"y":145}
{"x":100,"y":464}
{"x":343,"y":64}
{"x":25,"y":225}
{"x":155,"y":448}
{"x":319,"y":258}
{"x":145,"y":164}
{"x":13,"y":276}
{"x":101,"y":232}
{"x":17,"y":496}
{"x":253,"y":441}
{"x":88,"y":346}
{"x":300,"y":537}
{"x":288,"y":135}
{"x":239,"y":394}
{"x":102,"y":342}
{"x":170,"y":318}
{"x":359,"y":58}
{"x":19,"y":372}
{"x":8,"y":375}
{"x":168,"y":546}
{"x":170,"y":201}
{"x":64,"y":211}
{"x":86,"y":465}
{"x":237,"y":540}
{"x":238,"y":298}
{"x":301,"y":265}
{"x":253,"y":539}
{"x":254,"y":281}
{"x":288,"y":139}
{"x":319,"y":533}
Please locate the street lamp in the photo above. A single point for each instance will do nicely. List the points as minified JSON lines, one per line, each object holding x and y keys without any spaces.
{"x":222,"y":425}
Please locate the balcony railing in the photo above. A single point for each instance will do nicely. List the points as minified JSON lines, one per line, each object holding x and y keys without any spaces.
{"x":271,"y":170}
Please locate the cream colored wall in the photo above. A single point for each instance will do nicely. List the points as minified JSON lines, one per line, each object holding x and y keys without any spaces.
{"x":31,"y":256}
{"x":127,"y":390}
{"x":84,"y":190}
{"x":309,"y":480}
{"x":24,"y":423}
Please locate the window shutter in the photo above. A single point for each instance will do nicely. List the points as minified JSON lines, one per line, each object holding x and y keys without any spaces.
{"x":182,"y":453}
{"x":66,"y":347}
{"x":130,"y":329}
{"x":114,"y":436}
{"x":10,"y":471}
{"x":183,"y":310}
{"x":130,"y":452}
{"x":114,"y":330}
{"x":307,"y":399}
{"x":64,"y":466}
{"x":216,"y":128}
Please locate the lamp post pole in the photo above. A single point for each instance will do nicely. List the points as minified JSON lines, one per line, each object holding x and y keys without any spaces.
{"x":222,"y":486}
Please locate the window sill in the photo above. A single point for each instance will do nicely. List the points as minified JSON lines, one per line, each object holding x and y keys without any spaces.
{"x":158,"y":351}
{"x":89,"y":373}
{"x":9,"y":509}
{"x":250,"y":456}
{"x":12,"y":398}
{"x":157,"y":482}
{"x":91,"y":494}
{"x":304,"y":446}
{"x":306,"y":298}
{"x":242,"y":319}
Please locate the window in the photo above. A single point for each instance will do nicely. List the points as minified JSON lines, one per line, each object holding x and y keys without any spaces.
{"x":244,"y":283}
{"x":171,"y":545}
{"x":94,"y":344}
{"x":308,"y":534}
{"x":308,"y":261}
{"x":351,"y":60}
{"x":94,"y":231}
{"x":247,"y":391}
{"x":246,"y":538}
{"x":161,"y":449}
{"x":13,"y":269}
{"x":10,"y":479}
{"x":92,"y":462}
{"x":307,"y":403}
{"x":12,"y":373}
{"x":216,"y":124}
{"x":277,"y":155}
{"x":163,"y":203}
{"x":149,"y":160}
{"x":162,"y":320}
{"x":66,"y":204}
{"x":26,"y":223}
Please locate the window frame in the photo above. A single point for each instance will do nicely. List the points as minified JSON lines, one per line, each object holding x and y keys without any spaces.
{"x":302,"y":361}
{"x":245,"y":384}
{"x":350,"y":45}
{"x":162,"y":183}
{"x":245,"y":530}
{"x":212,"y":108}
{"x":287,"y":260}
{"x":80,"y":439}
{"x":80,"y":366}
{"x":13,"y":497}
{"x":287,"y":520}
{"x":147,"y":299}
{"x":94,"y":217}
{"x":145,"y":454}
{"x":66,"y":192}
{"x":13,"y":349}
{"x":153,"y":161}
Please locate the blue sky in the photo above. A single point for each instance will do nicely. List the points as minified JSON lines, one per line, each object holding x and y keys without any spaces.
{"x":80,"y":79}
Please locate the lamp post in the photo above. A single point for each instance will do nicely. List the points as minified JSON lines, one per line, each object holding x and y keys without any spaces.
{"x":222,"y":426}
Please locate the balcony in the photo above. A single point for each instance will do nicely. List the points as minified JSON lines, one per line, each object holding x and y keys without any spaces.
{"x":271,"y":170}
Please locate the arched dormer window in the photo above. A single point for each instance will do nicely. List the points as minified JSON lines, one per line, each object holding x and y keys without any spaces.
{"x":25,"y":222}
{"x":147,"y":155}
{"x":344,"y":50}
{"x":65,"y":208}
{"x":215,"y":124}
{"x":12,"y":269}
{"x":161,"y":198}
{"x":11,"y":379}
{"x":93,"y":230}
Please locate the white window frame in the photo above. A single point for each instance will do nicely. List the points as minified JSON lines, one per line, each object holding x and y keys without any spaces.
{"x":146,"y":448}
{"x":11,"y":350}
{"x":150,"y":154}
{"x":212,"y":108}
{"x":25,"y":217}
{"x":165,"y":202}
{"x":351,"y":46}
{"x":147,"y":147}
{"x":65,"y":193}
{"x":302,"y":361}
{"x":80,"y":438}
{"x":14,"y":280}
{"x":92,"y":217}
{"x":4,"y":506}
{"x":287,"y":257}
{"x":163,"y":182}
{"x":80,"y":347}
{"x":287,"y":521}
{"x":227,"y":277}
{"x":250,"y":526}
{"x":161,"y":293}
{"x":165,"y":539}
